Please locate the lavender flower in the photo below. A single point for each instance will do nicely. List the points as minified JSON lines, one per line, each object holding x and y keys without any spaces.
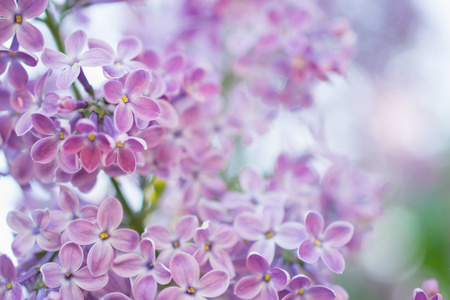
{"x":9,"y":290}
{"x":302,"y":289}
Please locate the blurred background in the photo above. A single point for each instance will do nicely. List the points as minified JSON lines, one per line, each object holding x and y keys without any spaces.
{"x":391,"y":117}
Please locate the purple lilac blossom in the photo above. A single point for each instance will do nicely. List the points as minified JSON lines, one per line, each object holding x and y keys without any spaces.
{"x":9,"y":290}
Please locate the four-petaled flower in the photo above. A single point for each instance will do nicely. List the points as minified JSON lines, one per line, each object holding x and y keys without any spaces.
{"x":8,"y":288}
{"x":69,"y":276}
{"x":105,"y":237}
{"x":324,"y":244}
{"x":302,"y":289}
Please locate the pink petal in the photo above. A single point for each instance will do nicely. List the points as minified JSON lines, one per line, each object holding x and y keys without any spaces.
{"x":68,"y":76}
{"x":169,"y":116}
{"x":137,"y":82}
{"x":185,"y":270}
{"x":116,"y":296}
{"x":279,"y":278}
{"x":321,"y":293}
{"x":160,"y":235}
{"x":338,"y":234}
{"x":113,"y":91}
{"x":71,"y":257}
{"x":126,"y":160}
{"x":213,"y":283}
{"x":124,"y":239}
{"x":251,"y":180}
{"x":32,"y":8}
{"x":137,"y":144}
{"x":7,"y":29}
{"x":90,"y":157}
{"x":147,"y":247}
{"x":148,"y":138}
{"x":314,"y":224}
{"x":249,"y":226}
{"x":290,"y":235}
{"x":162,"y":274}
{"x":248,"y":287}
{"x":8,"y":8}
{"x":94,"y":43}
{"x":96,"y":58}
{"x":86,"y":281}
{"x":68,"y":200}
{"x":174,"y":63}
{"x":333,"y":259}
{"x":49,"y":240}
{"x":123,"y":117}
{"x":18,"y":221}
{"x":145,"y":288}
{"x":129,"y":48}
{"x":173,"y":293}
{"x":100,"y":258}
{"x":43,"y":124}
{"x":145,"y":108}
{"x":23,"y":244}
{"x":29,"y":37}
{"x":83,"y":232}
{"x":44,"y":150}
{"x":70,"y":291}
{"x":220,"y":260}
{"x":264,"y":247}
{"x":54,"y":59}
{"x":75,"y":43}
{"x":308,"y":252}
{"x":257,"y":264}
{"x":128,"y":265}
{"x":110,"y":214}
{"x":185,"y":228}
{"x":73,"y":144}
{"x":268,"y":293}
{"x":52,"y":274}
{"x":17,"y":75}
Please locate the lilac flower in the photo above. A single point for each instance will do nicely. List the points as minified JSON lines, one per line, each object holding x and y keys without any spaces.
{"x":69,"y":276}
{"x":131,"y":264}
{"x":9,"y":290}
{"x":105,"y":237}
{"x":172,"y":243}
{"x":198,"y":85}
{"x":266,"y":283}
{"x":213,"y":245}
{"x":185,"y":272}
{"x":130,"y":101}
{"x":302,"y":289}
{"x":72,"y":62}
{"x":269,"y":230}
{"x":419,"y":294}
{"x":31,"y":231}
{"x":91,"y":144}
{"x":14,"y":21}
{"x":17,"y":75}
{"x":144,"y":287}
{"x":127,"y":50}
{"x":325,"y":244}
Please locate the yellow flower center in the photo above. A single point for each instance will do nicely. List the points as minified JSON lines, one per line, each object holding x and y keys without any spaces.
{"x":269,"y":234}
{"x":9,"y":286}
{"x":318,"y":243}
{"x":301,"y":291}
{"x":176,"y":244}
{"x":118,"y":63}
{"x":91,"y":136}
{"x":104,"y":235}
{"x":119,"y":144}
{"x":61,"y":135}
{"x":74,"y":64}
{"x":298,"y":63}
{"x":151,"y":265}
{"x":12,"y":54}
{"x":18,"y":19}
{"x":190,"y":291}
{"x":125,"y":98}
{"x":266,"y":277}
{"x":207,"y":246}
{"x":68,"y":275}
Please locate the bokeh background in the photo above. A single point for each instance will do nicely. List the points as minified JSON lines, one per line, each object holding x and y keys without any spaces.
{"x":390,"y":116}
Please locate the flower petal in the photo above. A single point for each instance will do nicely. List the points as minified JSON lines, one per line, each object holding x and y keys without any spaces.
{"x":68,"y":76}
{"x":124,"y":239}
{"x":160,"y":235}
{"x":185,"y":270}
{"x":7,"y":269}
{"x":248,"y":287}
{"x":257,"y":263}
{"x":90,"y":157}
{"x":49,"y":240}
{"x":86,"y":281}
{"x":96,"y":58}
{"x":32,"y":8}
{"x":7,"y":29}
{"x":18,"y":221}
{"x":70,"y":291}
{"x":100,"y":258}
{"x":186,"y":227}
{"x":137,"y":82}
{"x":110,"y":214}
{"x":75,"y":43}
{"x":44,"y":150}
{"x":213,"y":284}
{"x":338,"y":234}
{"x":129,"y":48}
{"x":333,"y":259}
{"x":126,"y":160}
{"x":83,"y":232}
{"x":145,"y":108}
{"x":290,"y":235}
{"x":314,"y":224}
{"x":320,"y":293}
{"x":71,"y":257}
{"x":173,"y":293}
{"x":43,"y":124}
{"x":54,"y":59}
{"x":308,"y":252}
{"x":29,"y":37}
{"x":17,"y":75}
{"x":145,"y":287}
{"x":123,"y":117}
{"x":113,"y":90}
{"x":52,"y":274}
{"x":128,"y":265}
{"x":279,"y":278}
{"x":249,"y":226}
{"x":74,"y":144}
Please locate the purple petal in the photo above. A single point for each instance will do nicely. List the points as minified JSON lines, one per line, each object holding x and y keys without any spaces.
{"x":74,"y":144}
{"x":70,"y":291}
{"x":338,"y":234}
{"x":145,"y":108}
{"x":113,"y":91}
{"x":41,"y":218}
{"x":29,"y":37}
{"x":18,"y":221}
{"x":185,"y":270}
{"x":86,"y":126}
{"x":299,"y":282}
{"x":7,"y":29}
{"x":279,"y":278}
{"x":52,"y":274}
{"x":129,"y":48}
{"x":418,"y":294}
{"x":54,"y":59}
{"x":24,"y":123}
{"x":257,"y":264}
{"x":220,"y":260}
{"x":147,"y":248}
{"x":123,"y":117}
{"x":29,"y":59}
{"x":49,"y":240}
{"x":137,"y":82}
{"x":273,"y":215}
{"x":124,"y":239}
{"x":145,"y":288}
{"x":90,"y":157}
{"x":213,"y":283}
{"x":320,"y":293}
{"x":44,"y":150}
{"x":96,"y":58}
{"x":71,"y":257}
{"x":138,"y":144}
{"x":186,"y":227}
{"x":290,"y":235}
{"x":86,"y":281}
{"x":116,"y":296}
{"x":160,"y":235}
{"x":249,"y":226}
{"x":126,"y":160}
{"x":83,"y":232}
{"x":248,"y":287}
{"x":8,"y":8}
{"x":68,"y":76}
{"x":75,"y":43}
{"x":7,"y":269}
{"x":104,"y":142}
{"x":114,"y":71}
{"x":148,"y":138}
{"x":251,"y":180}
{"x":314,"y":224}
{"x":22,"y":100}
{"x":308,"y":252}
{"x":94,"y":43}
{"x":333,"y":259}
{"x":174,"y":63}
{"x":169,"y":116}
{"x":43,"y":124}
{"x":32,"y":8}
{"x":100,"y":258}
{"x":173,"y":293}
{"x":268,"y":293}
{"x":23,"y":244}
{"x":17,"y":75}
{"x":110,"y":214}
{"x":68,"y":200}
{"x":128,"y":265}
{"x":264,"y":247}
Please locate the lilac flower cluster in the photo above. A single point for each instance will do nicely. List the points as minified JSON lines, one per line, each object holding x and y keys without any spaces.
{"x":171,"y":123}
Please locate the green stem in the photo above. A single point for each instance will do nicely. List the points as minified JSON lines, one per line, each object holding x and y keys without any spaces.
{"x":53,"y":26}
{"x":133,"y":221}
